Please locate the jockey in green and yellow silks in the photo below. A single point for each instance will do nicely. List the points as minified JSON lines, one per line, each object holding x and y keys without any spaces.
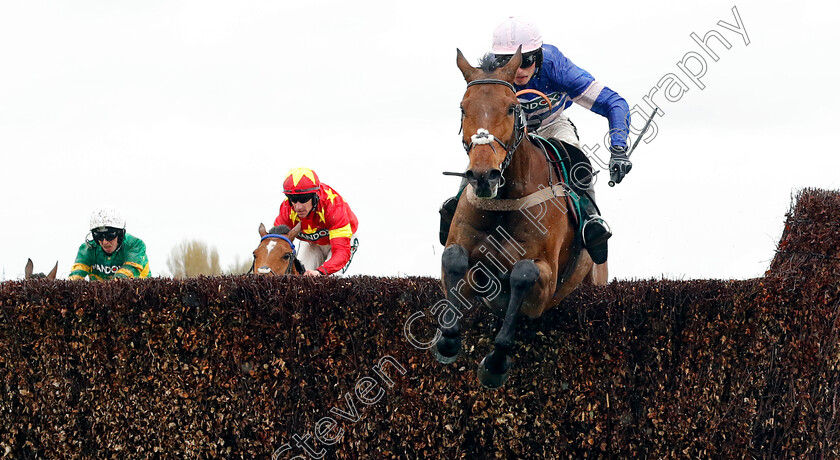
{"x":111,"y":253}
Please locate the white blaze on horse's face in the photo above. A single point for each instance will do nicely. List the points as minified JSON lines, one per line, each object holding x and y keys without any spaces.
{"x":275,"y":254}
{"x":273,"y":257}
{"x":265,"y":270}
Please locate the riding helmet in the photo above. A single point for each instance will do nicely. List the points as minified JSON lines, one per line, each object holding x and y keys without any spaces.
{"x":301,"y":180}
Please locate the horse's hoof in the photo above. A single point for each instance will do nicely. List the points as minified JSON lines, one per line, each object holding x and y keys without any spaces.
{"x":446,"y":350}
{"x":490,"y":380}
{"x":444,"y":359}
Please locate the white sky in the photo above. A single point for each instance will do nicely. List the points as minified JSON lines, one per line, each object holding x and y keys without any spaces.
{"x":187,"y":114}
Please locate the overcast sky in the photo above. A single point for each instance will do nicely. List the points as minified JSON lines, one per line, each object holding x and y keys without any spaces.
{"x":187,"y":114}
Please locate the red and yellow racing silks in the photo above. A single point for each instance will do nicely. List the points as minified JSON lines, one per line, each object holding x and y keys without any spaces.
{"x":331,"y":222}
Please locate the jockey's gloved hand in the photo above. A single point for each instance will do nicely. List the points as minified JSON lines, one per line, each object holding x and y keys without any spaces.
{"x":620,"y":165}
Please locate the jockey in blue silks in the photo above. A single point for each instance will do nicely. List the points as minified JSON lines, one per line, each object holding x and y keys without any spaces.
{"x":545,"y":69}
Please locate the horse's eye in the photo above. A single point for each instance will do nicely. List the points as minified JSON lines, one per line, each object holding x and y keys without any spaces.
{"x":287,"y":256}
{"x":511,"y":109}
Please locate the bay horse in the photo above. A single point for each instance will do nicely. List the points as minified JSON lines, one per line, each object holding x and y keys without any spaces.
{"x":276,"y":253}
{"x":511,"y":242}
{"x":27,"y":272}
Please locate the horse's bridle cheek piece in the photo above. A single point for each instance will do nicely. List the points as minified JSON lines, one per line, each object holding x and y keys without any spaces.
{"x":291,"y":266}
{"x":483,"y":136}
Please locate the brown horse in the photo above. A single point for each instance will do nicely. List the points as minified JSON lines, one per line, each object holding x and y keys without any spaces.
{"x":511,"y":242}
{"x":27,"y":273}
{"x":276,"y":253}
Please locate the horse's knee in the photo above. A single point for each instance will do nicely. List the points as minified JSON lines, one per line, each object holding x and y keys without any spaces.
{"x":455,"y":261}
{"x":524,"y":274}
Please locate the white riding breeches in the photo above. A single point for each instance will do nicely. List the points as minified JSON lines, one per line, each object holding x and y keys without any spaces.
{"x":561,"y":129}
{"x":314,"y":255}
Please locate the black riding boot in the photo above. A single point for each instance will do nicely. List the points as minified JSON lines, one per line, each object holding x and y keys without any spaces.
{"x":596,"y":232}
{"x":447,"y":212}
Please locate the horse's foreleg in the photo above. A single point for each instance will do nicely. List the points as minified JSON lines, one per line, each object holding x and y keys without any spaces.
{"x":494,"y":368}
{"x":455,"y":264}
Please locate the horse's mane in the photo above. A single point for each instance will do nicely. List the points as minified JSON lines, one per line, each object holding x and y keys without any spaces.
{"x":487,"y":63}
{"x":280,"y":230}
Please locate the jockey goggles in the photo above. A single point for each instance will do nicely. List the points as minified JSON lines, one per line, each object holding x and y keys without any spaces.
{"x":105,"y":235}
{"x":300,"y":198}
{"x":528,"y":59}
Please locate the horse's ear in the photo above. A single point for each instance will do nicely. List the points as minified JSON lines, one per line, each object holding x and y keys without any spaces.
{"x":294,"y":232}
{"x":470,"y":72}
{"x":51,"y":274}
{"x":508,"y":72}
{"x":263,"y":232}
{"x":27,"y":272}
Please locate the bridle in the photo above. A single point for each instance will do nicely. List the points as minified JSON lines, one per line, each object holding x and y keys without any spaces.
{"x":290,"y":267}
{"x":482,"y":136}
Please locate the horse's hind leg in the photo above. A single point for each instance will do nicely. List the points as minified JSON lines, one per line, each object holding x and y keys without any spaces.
{"x":494,"y":368}
{"x":455,"y":263}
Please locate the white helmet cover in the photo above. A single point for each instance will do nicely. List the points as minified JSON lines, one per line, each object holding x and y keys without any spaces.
{"x":515,"y":31}
{"x":106,"y":217}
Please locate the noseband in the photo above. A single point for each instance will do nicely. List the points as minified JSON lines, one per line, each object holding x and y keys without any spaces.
{"x":482,"y":136}
{"x":291,"y":265}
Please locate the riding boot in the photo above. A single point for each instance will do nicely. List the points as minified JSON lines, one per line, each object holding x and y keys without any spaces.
{"x":447,"y":212}
{"x":596,"y":232}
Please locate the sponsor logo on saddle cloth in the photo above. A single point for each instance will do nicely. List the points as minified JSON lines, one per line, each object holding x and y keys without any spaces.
{"x":108,"y":270}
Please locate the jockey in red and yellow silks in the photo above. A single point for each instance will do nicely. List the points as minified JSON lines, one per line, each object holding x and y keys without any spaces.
{"x":327,"y":222}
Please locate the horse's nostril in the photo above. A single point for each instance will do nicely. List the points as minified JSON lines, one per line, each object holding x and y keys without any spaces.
{"x":264,"y":270}
{"x":470,"y":176}
{"x":494,"y":175}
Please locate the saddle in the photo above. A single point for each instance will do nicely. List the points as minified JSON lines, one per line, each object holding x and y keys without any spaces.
{"x":568,"y":160}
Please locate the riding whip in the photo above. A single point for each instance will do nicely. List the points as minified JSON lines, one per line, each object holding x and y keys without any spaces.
{"x":644,"y":130}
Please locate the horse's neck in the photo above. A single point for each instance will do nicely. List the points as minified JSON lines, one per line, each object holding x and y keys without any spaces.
{"x":527,"y":171}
